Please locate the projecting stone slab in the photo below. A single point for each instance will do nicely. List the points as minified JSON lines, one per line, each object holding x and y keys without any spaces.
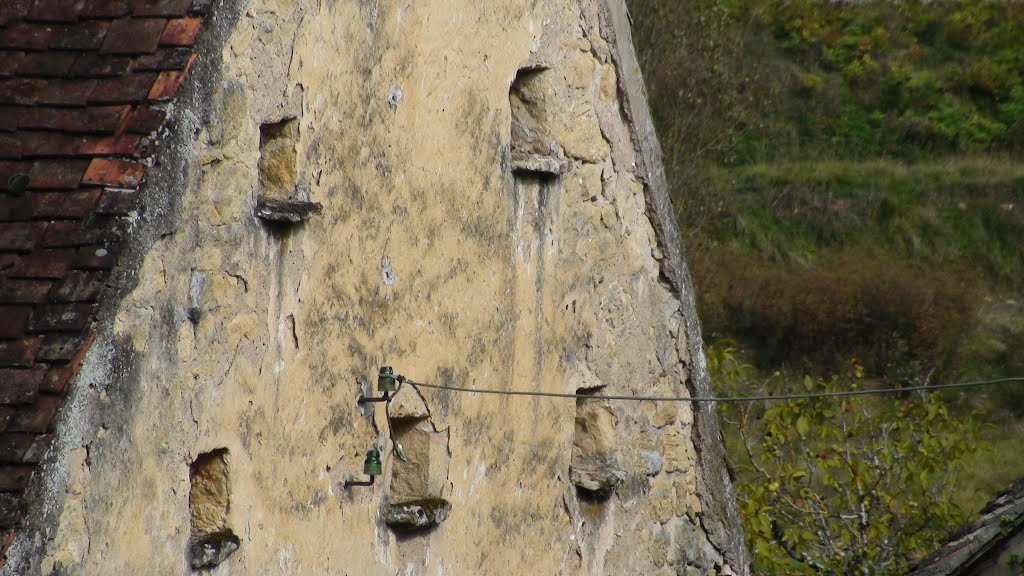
{"x":212,"y":549}
{"x":285,"y":211}
{"x":538,"y":164}
{"x":417,"y":514}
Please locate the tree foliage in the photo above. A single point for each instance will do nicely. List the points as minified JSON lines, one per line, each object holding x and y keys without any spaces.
{"x":853,"y":485}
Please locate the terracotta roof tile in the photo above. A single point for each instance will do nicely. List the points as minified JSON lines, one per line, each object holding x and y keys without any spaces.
{"x":13,"y":320}
{"x":43,"y":264}
{"x":69,"y":233}
{"x":77,"y":204}
{"x":36,"y":418}
{"x":145,"y":120}
{"x":95,"y":257}
{"x":6,"y":414}
{"x":20,"y":386}
{"x":61,"y":347}
{"x":38,"y":448}
{"x":13,"y":9}
{"x":114,"y":172}
{"x":134,"y":36}
{"x":56,"y":10}
{"x":93,"y":119}
{"x":122,"y":89}
{"x":19,"y":353}
{"x":10,"y":61}
{"x":11,"y":167}
{"x":91,"y":64}
{"x":60,"y":318}
{"x":45,"y":63}
{"x":161,"y":7}
{"x":168,"y":59}
{"x":79,"y":286}
{"x":181,"y":31}
{"x":56,"y":174}
{"x":168,"y":82}
{"x":21,"y":90}
{"x":114,"y":201}
{"x":8,"y":118}
{"x":10,"y":506}
{"x":13,"y":445}
{"x":14,"y":476}
{"x":56,"y":379}
{"x":27,"y":36}
{"x":66,"y":92}
{"x":86,"y":35}
{"x":19,"y":236}
{"x":19,"y":208}
{"x":10,"y":147}
{"x":24,"y":292}
{"x":105,"y":9}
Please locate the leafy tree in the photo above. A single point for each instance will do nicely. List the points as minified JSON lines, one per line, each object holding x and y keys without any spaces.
{"x":851,"y":485}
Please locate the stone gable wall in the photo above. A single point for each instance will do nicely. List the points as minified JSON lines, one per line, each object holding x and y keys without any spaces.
{"x":490,"y":215}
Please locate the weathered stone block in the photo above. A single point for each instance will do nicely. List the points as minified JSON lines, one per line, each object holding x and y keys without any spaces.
{"x":425,"y":471}
{"x":408,"y":405}
{"x":583,"y":139}
{"x":662,"y":498}
{"x":597,"y":475}
{"x":679,"y":454}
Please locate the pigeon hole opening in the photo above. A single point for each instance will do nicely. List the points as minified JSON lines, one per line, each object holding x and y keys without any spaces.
{"x":534,"y":151}
{"x":211,"y":541}
{"x":593,"y":468}
{"x":278,"y":156}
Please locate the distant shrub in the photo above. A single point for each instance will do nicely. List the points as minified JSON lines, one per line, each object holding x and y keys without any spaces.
{"x":902,"y":320}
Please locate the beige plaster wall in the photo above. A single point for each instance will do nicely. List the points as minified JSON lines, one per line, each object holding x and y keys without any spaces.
{"x":429,"y":256}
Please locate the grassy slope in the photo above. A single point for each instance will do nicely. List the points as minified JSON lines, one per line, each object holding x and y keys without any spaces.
{"x":849,"y":180}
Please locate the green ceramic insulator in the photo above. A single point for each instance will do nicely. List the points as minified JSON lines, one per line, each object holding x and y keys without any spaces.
{"x":386,"y":379}
{"x":372,"y":465}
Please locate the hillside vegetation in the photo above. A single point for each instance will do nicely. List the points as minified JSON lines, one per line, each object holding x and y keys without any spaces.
{"x":861,"y":163}
{"x":849,"y":180}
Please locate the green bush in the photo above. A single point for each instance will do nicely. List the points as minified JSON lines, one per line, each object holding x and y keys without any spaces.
{"x":856,"y":485}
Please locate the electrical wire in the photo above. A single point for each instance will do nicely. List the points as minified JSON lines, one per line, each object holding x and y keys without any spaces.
{"x":761,"y":398}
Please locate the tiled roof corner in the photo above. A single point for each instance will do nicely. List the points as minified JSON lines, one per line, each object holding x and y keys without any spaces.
{"x":82,"y":86}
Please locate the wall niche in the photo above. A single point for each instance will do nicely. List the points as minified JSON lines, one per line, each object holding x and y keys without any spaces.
{"x":276,"y":200}
{"x":419,"y":477}
{"x":593,"y":468}
{"x":211,"y":540}
{"x":534,"y":150}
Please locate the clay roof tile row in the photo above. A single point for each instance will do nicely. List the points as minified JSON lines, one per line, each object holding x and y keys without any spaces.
{"x":82,"y":84}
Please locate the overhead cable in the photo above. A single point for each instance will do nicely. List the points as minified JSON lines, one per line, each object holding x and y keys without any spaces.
{"x":758,"y":398}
